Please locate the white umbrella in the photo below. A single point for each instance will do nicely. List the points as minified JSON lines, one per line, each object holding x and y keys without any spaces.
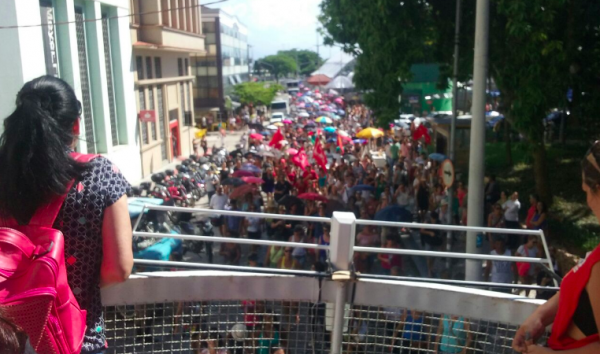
{"x":340,"y":82}
{"x":304,"y":114}
{"x":272,"y":127}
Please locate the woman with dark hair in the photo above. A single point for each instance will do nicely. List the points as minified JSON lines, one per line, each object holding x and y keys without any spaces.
{"x":574,"y":312}
{"x":13,"y":340}
{"x":94,"y":219}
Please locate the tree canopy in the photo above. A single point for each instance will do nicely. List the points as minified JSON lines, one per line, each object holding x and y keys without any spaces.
{"x":256,"y":92}
{"x":539,"y":49}
{"x":307,"y":60}
{"x":279,"y":65}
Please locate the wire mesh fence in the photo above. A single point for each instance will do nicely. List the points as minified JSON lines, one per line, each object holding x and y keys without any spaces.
{"x":263,"y":327}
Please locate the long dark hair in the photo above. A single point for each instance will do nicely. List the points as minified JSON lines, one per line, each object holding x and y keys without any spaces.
{"x":34,"y":148}
{"x":12,"y":338}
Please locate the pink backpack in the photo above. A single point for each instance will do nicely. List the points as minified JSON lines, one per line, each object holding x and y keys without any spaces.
{"x":34,"y":292}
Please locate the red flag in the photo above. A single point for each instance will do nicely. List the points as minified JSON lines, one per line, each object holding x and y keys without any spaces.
{"x":422,"y":132}
{"x":319,"y":155}
{"x":277,"y":137}
{"x":340,"y":143}
{"x":300,"y":159}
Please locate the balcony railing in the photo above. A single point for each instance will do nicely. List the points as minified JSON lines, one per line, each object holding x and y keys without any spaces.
{"x":234,"y":308}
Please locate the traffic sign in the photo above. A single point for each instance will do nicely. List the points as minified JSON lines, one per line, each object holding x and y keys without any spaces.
{"x":447,"y":170}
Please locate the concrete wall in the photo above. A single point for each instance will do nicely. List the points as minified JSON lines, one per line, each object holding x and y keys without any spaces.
{"x":22,"y":48}
{"x":26,"y":62}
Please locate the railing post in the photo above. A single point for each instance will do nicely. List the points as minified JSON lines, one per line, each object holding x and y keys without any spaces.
{"x":343,"y":233}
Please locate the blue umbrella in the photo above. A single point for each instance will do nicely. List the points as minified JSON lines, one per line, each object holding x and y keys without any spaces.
{"x":331,"y":140}
{"x":437,"y":157}
{"x":362,"y":187}
{"x":330,"y":129}
{"x":394,"y":213}
{"x":341,"y":112}
{"x":358,"y":141}
{"x":251,"y":168}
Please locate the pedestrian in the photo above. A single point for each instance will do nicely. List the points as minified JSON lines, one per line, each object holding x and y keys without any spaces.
{"x":502,"y":272}
{"x":431,"y":240}
{"x":527,"y":270}
{"x":540,"y":218}
{"x":413,"y":337}
{"x":391,"y":262}
{"x":37,"y":168}
{"x":218,"y":202}
{"x":453,"y":336}
{"x":496,"y":220}
{"x":511,"y":219}
{"x":253,"y":226}
{"x":210,"y":183}
{"x":533,"y":201}
{"x":299,"y":253}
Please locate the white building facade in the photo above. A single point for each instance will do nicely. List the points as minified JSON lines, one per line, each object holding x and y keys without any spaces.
{"x":87,"y":44}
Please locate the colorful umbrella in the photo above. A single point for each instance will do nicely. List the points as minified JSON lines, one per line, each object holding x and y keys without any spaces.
{"x":256,"y":180}
{"x":323,"y":119}
{"x":256,"y":136}
{"x":330,"y":129}
{"x":287,"y":121}
{"x":292,"y":151}
{"x":369,"y":133}
{"x":251,"y":168}
{"x":236,"y":182}
{"x":242,"y":173}
{"x":313,"y":196}
{"x":437,"y":157}
{"x":241,"y":191}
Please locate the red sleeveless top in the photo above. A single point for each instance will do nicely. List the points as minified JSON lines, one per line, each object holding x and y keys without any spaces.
{"x":570,"y":290}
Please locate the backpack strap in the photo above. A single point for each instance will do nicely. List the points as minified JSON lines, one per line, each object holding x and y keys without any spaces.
{"x":46,"y":215}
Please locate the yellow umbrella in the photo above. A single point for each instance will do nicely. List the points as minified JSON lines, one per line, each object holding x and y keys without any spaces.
{"x":369,"y":133}
{"x":278,"y":124}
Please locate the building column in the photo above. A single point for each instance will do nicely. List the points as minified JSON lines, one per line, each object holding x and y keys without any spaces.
{"x":26,"y":60}
{"x":97,"y":72}
{"x":68,"y":57}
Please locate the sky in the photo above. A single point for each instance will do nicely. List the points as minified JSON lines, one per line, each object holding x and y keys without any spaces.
{"x":279,"y":25}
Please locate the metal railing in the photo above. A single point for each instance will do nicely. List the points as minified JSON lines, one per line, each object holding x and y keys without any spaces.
{"x":342,"y":289}
{"x":189,"y":311}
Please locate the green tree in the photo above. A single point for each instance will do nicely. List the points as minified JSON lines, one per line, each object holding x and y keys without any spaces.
{"x":256,"y":92}
{"x":387,"y":37}
{"x":278,"y":65}
{"x":538,"y":49}
{"x":308,"y":61}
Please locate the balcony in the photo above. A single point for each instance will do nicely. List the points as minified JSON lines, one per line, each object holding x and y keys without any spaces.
{"x":252,"y":310}
{"x":160,"y":37}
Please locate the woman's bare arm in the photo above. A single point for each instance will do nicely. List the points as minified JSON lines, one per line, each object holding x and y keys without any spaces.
{"x":117,"y":259}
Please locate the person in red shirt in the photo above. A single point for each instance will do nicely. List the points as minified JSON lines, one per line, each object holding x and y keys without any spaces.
{"x":391,"y":263}
{"x":533,"y":201}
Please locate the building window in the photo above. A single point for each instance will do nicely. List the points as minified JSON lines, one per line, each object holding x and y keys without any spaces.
{"x":139,"y":65}
{"x":88,"y":118}
{"x":182,"y":102}
{"x":186,"y":67}
{"x":114,"y":126}
{"x":151,"y":107}
{"x":142,"y":99}
{"x":162,"y":123}
{"x":180,"y":66}
{"x":149,"y":67}
{"x":158,"y":68}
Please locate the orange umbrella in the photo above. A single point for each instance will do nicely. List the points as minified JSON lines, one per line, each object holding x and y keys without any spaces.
{"x":318,"y":80}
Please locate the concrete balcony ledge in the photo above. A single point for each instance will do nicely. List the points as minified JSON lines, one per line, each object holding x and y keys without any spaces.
{"x":166,"y":38}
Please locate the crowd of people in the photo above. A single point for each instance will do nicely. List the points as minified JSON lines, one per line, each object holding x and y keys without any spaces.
{"x":330,"y":157}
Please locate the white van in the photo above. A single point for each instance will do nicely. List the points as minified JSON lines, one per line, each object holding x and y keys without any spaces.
{"x":280,"y":105}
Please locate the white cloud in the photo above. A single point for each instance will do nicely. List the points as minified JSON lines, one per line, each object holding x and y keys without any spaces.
{"x":279,"y":24}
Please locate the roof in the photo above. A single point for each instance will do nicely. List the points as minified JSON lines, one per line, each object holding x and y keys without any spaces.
{"x":425,"y":72}
{"x":333,"y":66}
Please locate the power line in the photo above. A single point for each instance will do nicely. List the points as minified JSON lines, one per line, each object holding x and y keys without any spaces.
{"x":112,"y":17}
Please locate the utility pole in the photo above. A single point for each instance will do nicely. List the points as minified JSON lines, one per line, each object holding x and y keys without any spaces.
{"x":476,"y":193}
{"x":318,"y":56}
{"x":453,"y":122}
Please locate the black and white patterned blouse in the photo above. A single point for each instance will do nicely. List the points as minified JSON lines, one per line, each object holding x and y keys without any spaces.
{"x":80,"y":220}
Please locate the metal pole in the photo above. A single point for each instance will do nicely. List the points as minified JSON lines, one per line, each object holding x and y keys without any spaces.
{"x":477,"y":146}
{"x":343,"y":233}
{"x":338,"y":318}
{"x":453,"y":121}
